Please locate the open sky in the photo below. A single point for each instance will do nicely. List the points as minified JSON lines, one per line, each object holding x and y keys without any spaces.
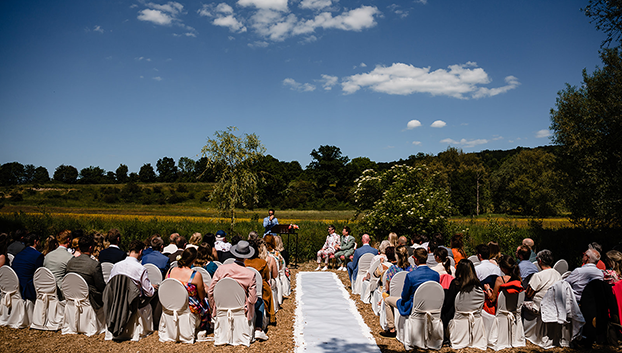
{"x":107,"y":82}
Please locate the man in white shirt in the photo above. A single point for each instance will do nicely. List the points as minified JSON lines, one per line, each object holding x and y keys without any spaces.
{"x":583,"y":275}
{"x":485,"y":268}
{"x":172,"y":246}
{"x":132,"y":268}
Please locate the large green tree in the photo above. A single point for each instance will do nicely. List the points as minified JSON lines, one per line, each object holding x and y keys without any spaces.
{"x":66,"y":174}
{"x":587,"y":123}
{"x":235,"y":158}
{"x":146,"y":174}
{"x":167,"y":170}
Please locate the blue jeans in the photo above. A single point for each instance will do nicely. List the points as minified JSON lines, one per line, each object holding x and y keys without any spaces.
{"x":259,"y":310}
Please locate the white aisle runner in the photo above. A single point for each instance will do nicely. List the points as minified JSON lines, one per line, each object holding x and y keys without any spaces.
{"x":327,"y":320}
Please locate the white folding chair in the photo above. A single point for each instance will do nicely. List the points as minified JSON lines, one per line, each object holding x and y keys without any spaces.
{"x":259,"y":289}
{"x":207,"y":278}
{"x":395,"y":290}
{"x":507,"y":327}
{"x":106,"y":268}
{"x":366,"y":290}
{"x":15,"y":312}
{"x":172,"y":264}
{"x":154,"y":274}
{"x":232,"y":326}
{"x":177,"y":323}
{"x":139,"y":324}
{"x":561,"y":266}
{"x":229,"y":261}
{"x":466,"y":329}
{"x":363,"y":266}
{"x":424,"y":328}
{"x":10,"y":257}
{"x":286,"y":286}
{"x":49,"y":311}
{"x":377,"y":296}
{"x":80,"y":317}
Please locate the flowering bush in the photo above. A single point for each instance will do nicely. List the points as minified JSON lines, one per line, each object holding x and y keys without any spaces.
{"x":403,"y":199}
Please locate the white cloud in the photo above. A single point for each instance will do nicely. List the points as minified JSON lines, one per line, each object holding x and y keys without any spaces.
{"x":438,"y":124}
{"x":465,"y":142}
{"x":98,"y":29}
{"x":396,"y":10}
{"x":224,"y":16}
{"x":363,"y":65}
{"x":329,"y":81}
{"x":295,"y":86}
{"x":497,"y":137}
{"x":139,"y":58}
{"x":458,"y":81}
{"x":315,"y":4}
{"x":416,"y":143}
{"x":155,"y":16}
{"x":280,"y":5}
{"x":224,"y":8}
{"x":166,"y":15}
{"x":413,"y":124}
{"x":158,"y":78}
{"x":231,"y":22}
{"x":258,"y":44}
{"x":309,"y":39}
{"x":543,"y":133}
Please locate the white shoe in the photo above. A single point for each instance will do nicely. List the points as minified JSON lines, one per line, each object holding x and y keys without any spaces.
{"x":345,"y":269}
{"x":325,"y":268}
{"x":340,"y":268}
{"x":318,"y":268}
{"x":260,"y":335}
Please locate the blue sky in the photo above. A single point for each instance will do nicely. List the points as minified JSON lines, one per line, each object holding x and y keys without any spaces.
{"x":107,"y":82}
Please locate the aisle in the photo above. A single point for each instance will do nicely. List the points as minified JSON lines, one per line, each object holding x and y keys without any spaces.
{"x":327,"y":319}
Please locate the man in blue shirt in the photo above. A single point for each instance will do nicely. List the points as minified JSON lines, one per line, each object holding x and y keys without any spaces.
{"x":413,"y":280}
{"x":353,"y":267}
{"x":526,"y":268}
{"x":25,"y":263}
{"x":155,"y":256}
{"x":269,"y":222}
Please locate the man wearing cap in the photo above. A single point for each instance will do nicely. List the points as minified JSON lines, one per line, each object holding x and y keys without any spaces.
{"x":222,"y":246}
{"x":245,"y":277}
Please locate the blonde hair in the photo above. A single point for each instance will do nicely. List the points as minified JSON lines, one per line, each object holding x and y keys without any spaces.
{"x":279,"y":243}
{"x":616,"y":260}
{"x":393,"y":239}
{"x":263,"y":250}
{"x":196,"y":239}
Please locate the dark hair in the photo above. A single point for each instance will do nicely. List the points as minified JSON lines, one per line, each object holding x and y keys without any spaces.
{"x":181,"y":242}
{"x":456,"y":241}
{"x":402,"y":257}
{"x":523,"y":252}
{"x":4,"y":243}
{"x":347,"y":229}
{"x":432,"y":245}
{"x":419,"y":238}
{"x":271,"y":210}
{"x":444,"y":257}
{"x":209,"y":238}
{"x":254,"y":243}
{"x":466,"y":278}
{"x":483,"y":250}
{"x":86,"y":242}
{"x":157,"y":243}
{"x":546,"y":257}
{"x":390,"y":252}
{"x":113,"y":236}
{"x":235,"y":239}
{"x":148,"y":240}
{"x":136,"y":246}
{"x":421,"y":256}
{"x":29,"y":239}
{"x":507,"y":262}
{"x":495,"y":250}
{"x":187,"y":257}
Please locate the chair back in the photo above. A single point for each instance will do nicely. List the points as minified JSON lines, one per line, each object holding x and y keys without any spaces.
{"x":10,"y":257}
{"x":474,"y":260}
{"x":218,"y":263}
{"x":229,"y":294}
{"x":561,"y":266}
{"x":173,"y":265}
{"x":472,"y":301}
{"x":229,"y":261}
{"x":154,"y":274}
{"x":106,"y":268}
{"x":364,"y":263}
{"x":44,"y":281}
{"x":428,"y":297}
{"x":397,"y":283}
{"x":207,"y":278}
{"x":9,"y":282}
{"x":74,"y":287}
{"x":411,"y":261}
{"x":173,"y":295}
{"x":258,"y":282}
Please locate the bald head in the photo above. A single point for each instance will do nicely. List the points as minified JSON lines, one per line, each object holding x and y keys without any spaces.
{"x":365,"y":239}
{"x":528,"y":242}
{"x":402,"y":240}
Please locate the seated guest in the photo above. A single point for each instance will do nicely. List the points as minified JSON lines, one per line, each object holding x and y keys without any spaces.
{"x":56,"y":261}
{"x":345,"y":248}
{"x":526,"y":267}
{"x":205,"y":259}
{"x":181,"y":245}
{"x":485,"y":268}
{"x":353,"y":266}
{"x":18,"y":244}
{"x":89,"y":269}
{"x":432,"y":246}
{"x":132,"y":268}
{"x":612,"y":260}
{"x":245,"y":277}
{"x":329,"y":248}
{"x":413,"y":280}
{"x":393,"y":239}
{"x":223,"y":247}
{"x":172,"y":246}
{"x":263,"y":254}
{"x":112,"y":253}
{"x":147,"y":243}
{"x":270,"y":241}
{"x":210,"y":238}
{"x":25,"y":263}
{"x":530,"y":243}
{"x":495,"y":252}
{"x":511,"y":275}
{"x":195,"y":240}
{"x":75,"y":247}
{"x":457,"y":247}
{"x":281,"y":249}
{"x":443,"y":263}
{"x":193,"y":281}
{"x":389,"y":260}
{"x":600,"y":264}
{"x":155,"y":256}
{"x":50,"y":245}
{"x":541,"y":281}
{"x":267,"y":304}
{"x":402,"y":264}
{"x":581,"y":276}
{"x":466,"y":281}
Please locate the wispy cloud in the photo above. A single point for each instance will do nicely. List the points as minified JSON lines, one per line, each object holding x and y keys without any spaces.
{"x":329,"y":81}
{"x":295,"y":86}
{"x":413,"y":124}
{"x":98,"y":29}
{"x":157,"y":78}
{"x":397,"y":10}
{"x":461,"y":81}
{"x":438,"y":124}
{"x":543,"y":133}
{"x":315,"y":4}
{"x":165,"y":15}
{"x":464,"y":142}
{"x":416,"y":143}
{"x":224,"y":16}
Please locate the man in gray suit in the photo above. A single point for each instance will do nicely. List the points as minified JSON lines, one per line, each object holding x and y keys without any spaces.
{"x":90,"y":270}
{"x":56,"y":261}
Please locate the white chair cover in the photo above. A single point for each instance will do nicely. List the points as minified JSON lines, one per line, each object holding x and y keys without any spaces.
{"x":561,"y":266}
{"x":366,"y":290}
{"x":277,"y":281}
{"x":15,"y":312}
{"x":259,"y":288}
{"x":232,"y":326}
{"x":218,"y":263}
{"x":154,"y":274}
{"x":229,"y":261}
{"x":177,"y":323}
{"x":286,"y":285}
{"x":207,"y":278}
{"x":424,"y":327}
{"x":466,"y":329}
{"x":139,"y":326}
{"x":80,"y":317}
{"x":106,"y":268}
{"x":412,"y":262}
{"x":172,"y":264}
{"x":507,"y":327}
{"x":10,"y":258}
{"x":363,"y":266}
{"x":49,"y":311}
{"x":377,"y":296}
{"x":474,"y":259}
{"x":395,"y":290}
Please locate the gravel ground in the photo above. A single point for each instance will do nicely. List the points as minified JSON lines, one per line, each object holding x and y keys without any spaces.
{"x":281,"y":337}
